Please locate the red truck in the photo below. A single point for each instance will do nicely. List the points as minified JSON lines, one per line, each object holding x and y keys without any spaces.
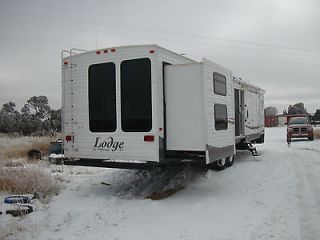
{"x":299,"y":127}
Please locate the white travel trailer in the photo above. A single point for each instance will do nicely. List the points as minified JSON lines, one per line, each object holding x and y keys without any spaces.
{"x":134,"y":105}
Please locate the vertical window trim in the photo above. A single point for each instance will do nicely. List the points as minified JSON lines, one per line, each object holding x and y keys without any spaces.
{"x":215,"y":117}
{"x":214,"y":83}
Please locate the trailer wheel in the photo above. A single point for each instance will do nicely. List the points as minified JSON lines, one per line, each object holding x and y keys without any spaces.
{"x":219,"y":164}
{"x":229,"y":161}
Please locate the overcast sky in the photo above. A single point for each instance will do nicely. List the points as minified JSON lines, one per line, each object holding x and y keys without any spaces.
{"x":274,"y":44}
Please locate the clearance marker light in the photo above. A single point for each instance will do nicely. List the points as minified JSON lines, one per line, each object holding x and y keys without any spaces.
{"x":151,"y":51}
{"x":113,"y":50}
{"x":105,"y":51}
{"x":148,"y":138}
{"x":97,"y":52}
{"x":69,"y":138}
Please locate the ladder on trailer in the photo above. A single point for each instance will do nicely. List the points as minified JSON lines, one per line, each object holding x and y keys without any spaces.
{"x":68,"y":65}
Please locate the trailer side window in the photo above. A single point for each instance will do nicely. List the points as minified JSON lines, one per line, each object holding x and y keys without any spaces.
{"x":136,"y":103}
{"x":219,"y":84}
{"x":102,"y":97}
{"x":220,"y":117}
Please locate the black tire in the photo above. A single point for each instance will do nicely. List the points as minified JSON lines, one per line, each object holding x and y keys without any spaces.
{"x":310,"y":138}
{"x":17,"y":199}
{"x":22,"y":210}
{"x":219,"y":165}
{"x":229,"y":161}
{"x":34,"y":155}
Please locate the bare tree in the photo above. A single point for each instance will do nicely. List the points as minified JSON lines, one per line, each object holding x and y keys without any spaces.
{"x":35,"y":117}
{"x":40,"y":106}
{"x":297,"y":108}
{"x":9,"y":118}
{"x":317,"y":115}
{"x":270,"y":111}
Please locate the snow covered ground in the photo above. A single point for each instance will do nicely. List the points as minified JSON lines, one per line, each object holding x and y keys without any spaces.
{"x":273,"y":196}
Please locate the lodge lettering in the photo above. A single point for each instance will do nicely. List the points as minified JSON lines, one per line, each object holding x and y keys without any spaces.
{"x":108,"y":145}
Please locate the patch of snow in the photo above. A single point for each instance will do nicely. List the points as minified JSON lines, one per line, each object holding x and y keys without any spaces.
{"x":53,"y":155}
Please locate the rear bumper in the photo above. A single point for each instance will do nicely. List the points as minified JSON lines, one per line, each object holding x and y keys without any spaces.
{"x":125,"y":164}
{"x":110,"y":164}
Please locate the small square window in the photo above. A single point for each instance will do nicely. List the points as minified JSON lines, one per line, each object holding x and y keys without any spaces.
{"x":219,"y":84}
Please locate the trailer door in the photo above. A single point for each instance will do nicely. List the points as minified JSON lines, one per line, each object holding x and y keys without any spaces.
{"x":242,"y":105}
{"x":238,"y":112}
{"x":252,"y":112}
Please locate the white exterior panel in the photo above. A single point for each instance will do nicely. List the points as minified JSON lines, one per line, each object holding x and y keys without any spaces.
{"x":185,"y":107}
{"x":224,"y":137}
{"x":76,"y":95}
{"x":218,"y":140}
{"x":163,"y":58}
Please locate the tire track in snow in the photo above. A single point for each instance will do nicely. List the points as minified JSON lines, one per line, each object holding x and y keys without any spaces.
{"x":307,"y":191}
{"x":143,"y":183}
{"x":281,"y":223}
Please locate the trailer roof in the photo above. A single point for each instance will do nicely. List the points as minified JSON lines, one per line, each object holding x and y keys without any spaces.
{"x":77,"y":52}
{"x":242,"y":81}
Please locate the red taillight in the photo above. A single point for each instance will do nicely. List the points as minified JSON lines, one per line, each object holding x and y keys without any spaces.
{"x":148,"y":138}
{"x":69,"y":138}
{"x":98,"y":52}
{"x":113,"y":50}
{"x":151,"y":51}
{"x":65,"y":63}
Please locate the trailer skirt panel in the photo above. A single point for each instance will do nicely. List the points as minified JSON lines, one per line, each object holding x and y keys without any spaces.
{"x":216,"y":153}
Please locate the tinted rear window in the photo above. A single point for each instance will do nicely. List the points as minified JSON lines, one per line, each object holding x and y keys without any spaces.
{"x":102,"y":98}
{"x":136,"y":110}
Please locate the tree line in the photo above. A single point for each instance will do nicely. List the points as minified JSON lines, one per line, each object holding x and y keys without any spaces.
{"x":35,"y":118}
{"x":297,"y":108}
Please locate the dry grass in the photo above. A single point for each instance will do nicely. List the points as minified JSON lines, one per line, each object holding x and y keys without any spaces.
{"x":18,"y":147}
{"x":316,"y":133}
{"x":19,"y":177}
{"x":27,"y":180}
